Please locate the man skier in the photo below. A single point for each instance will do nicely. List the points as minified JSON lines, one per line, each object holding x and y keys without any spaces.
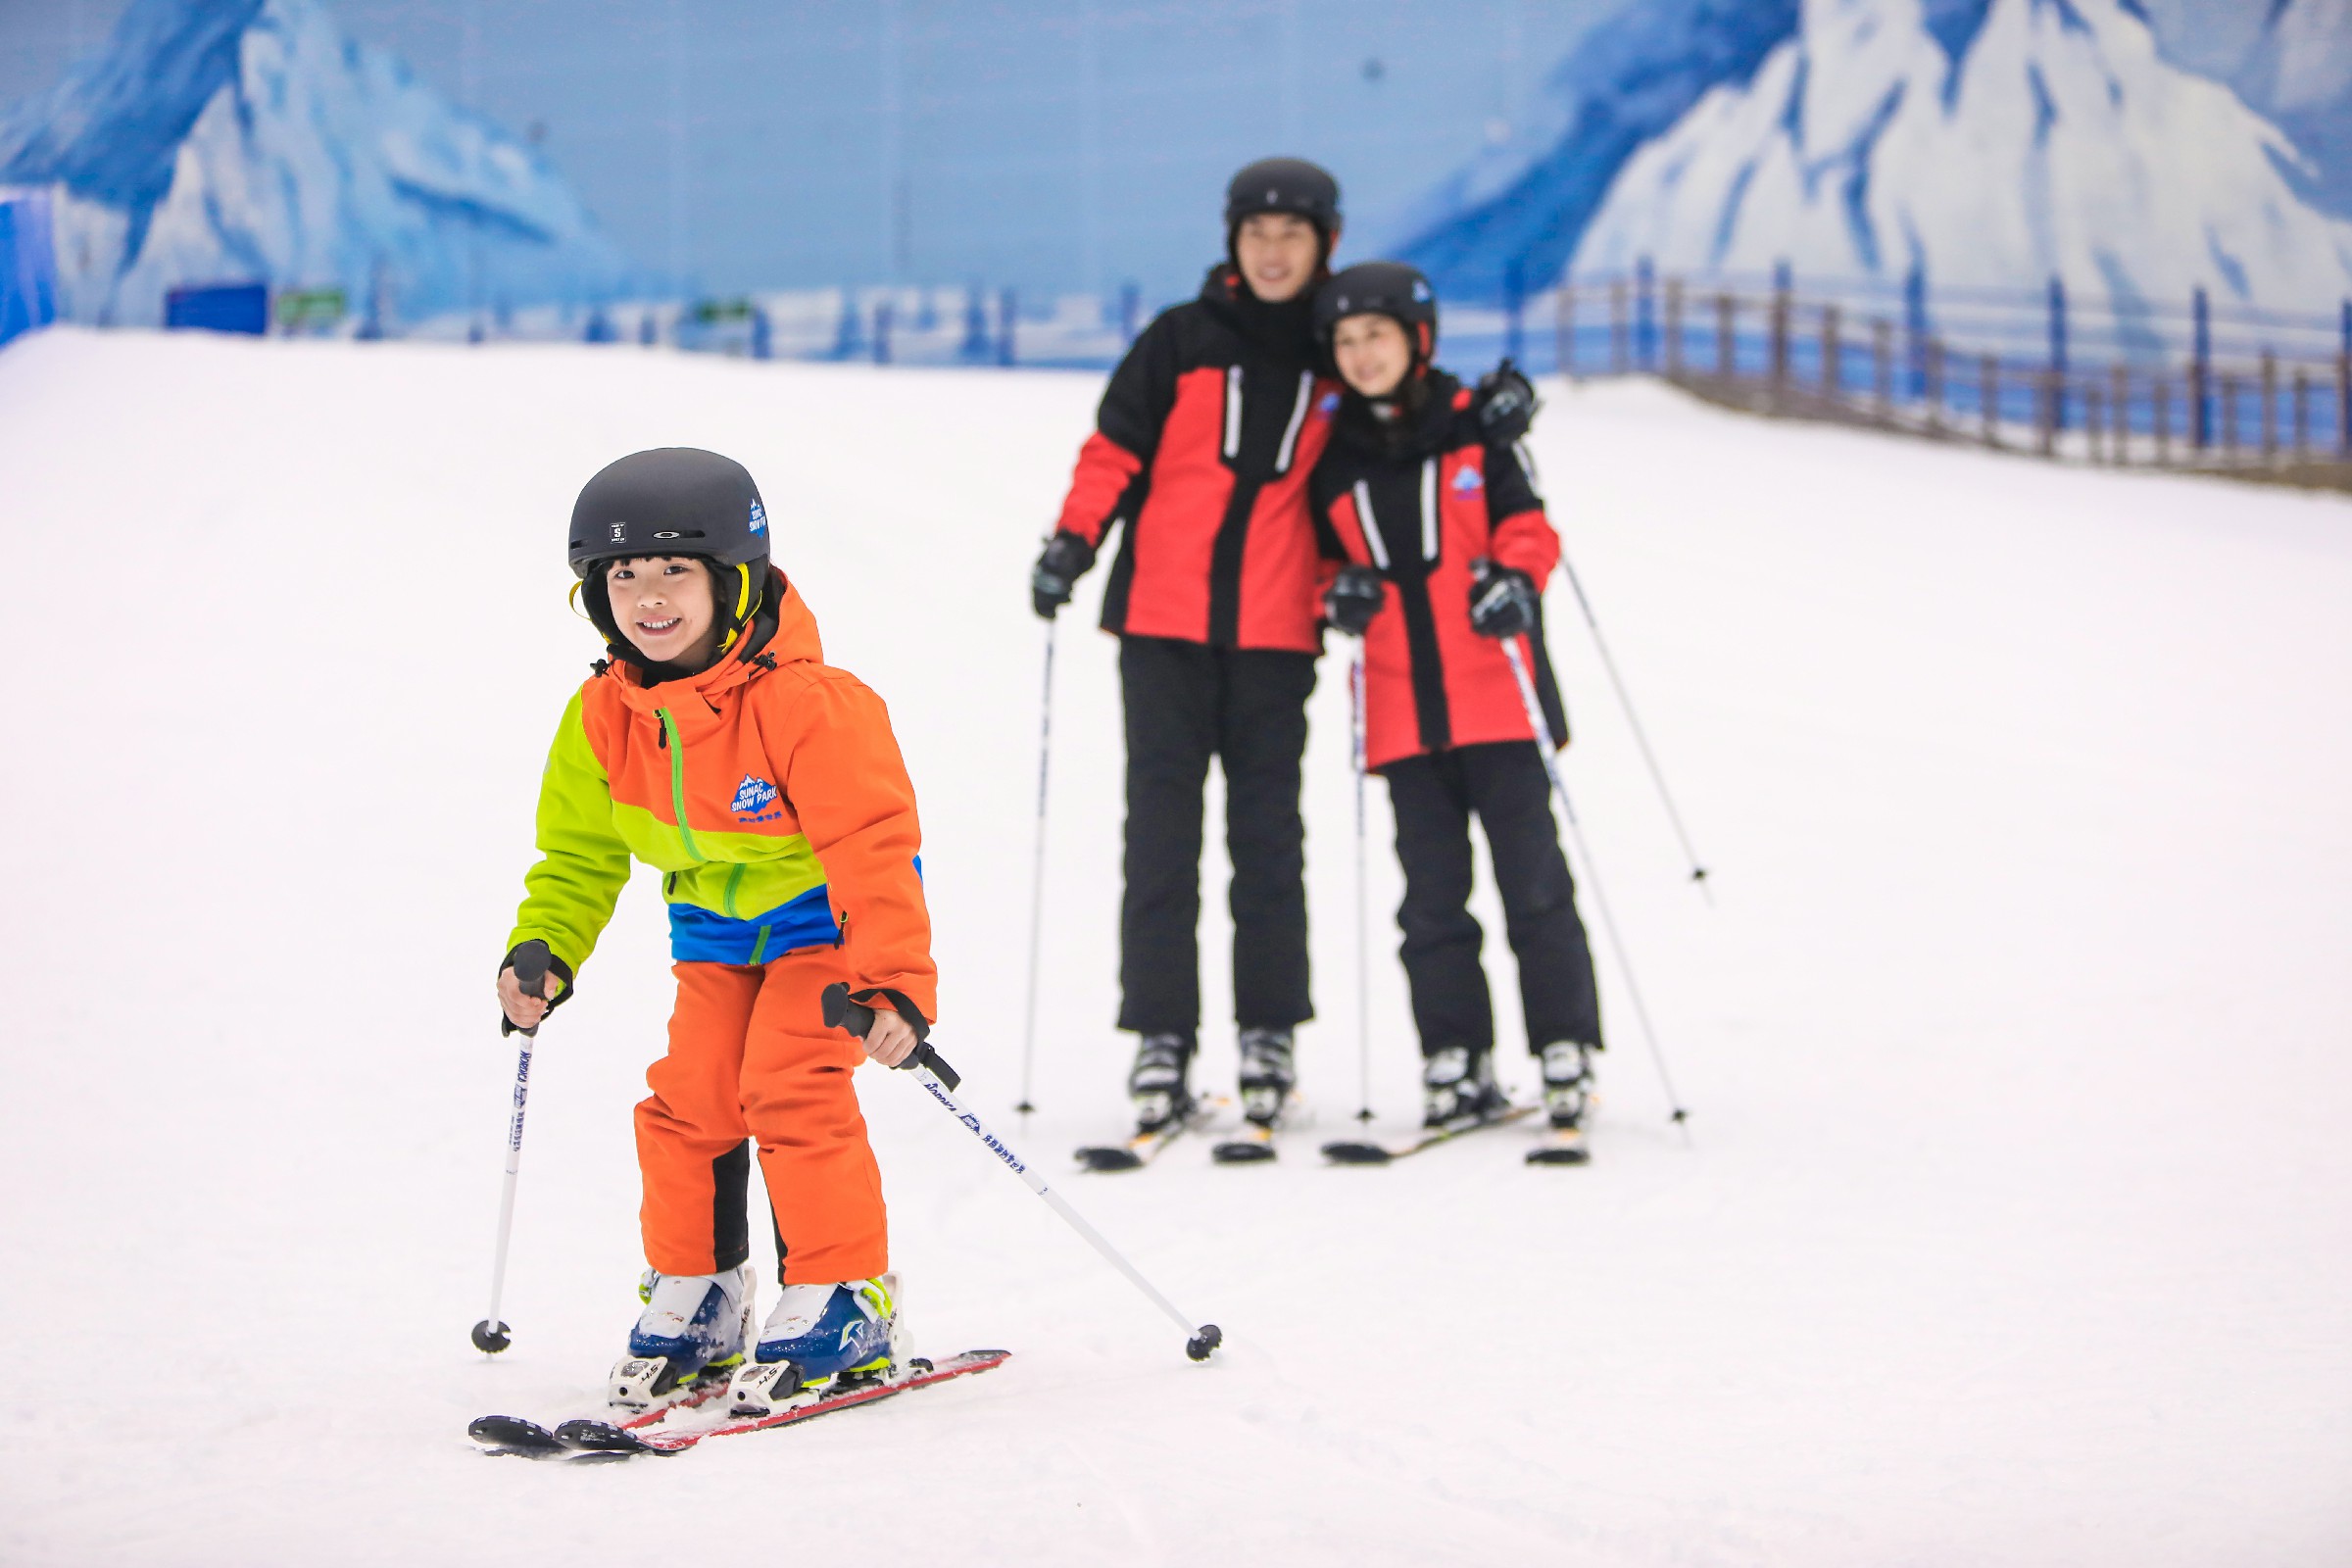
{"x":1203,"y":443}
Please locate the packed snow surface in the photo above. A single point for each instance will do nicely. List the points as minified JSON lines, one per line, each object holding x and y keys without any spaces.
{"x":2015,"y":1221}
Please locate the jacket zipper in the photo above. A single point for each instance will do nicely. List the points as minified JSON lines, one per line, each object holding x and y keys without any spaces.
{"x":726,"y":899}
{"x":677,"y":781}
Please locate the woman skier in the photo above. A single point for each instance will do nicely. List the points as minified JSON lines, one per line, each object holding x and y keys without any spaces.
{"x":1427,"y":500}
{"x":715,"y":745}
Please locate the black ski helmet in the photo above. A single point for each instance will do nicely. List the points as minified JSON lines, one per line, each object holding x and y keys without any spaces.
{"x":674,"y":501}
{"x":1284,"y":185}
{"x":1381,"y":289}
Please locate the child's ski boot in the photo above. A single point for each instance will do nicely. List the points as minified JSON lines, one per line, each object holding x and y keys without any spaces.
{"x":818,"y":1339}
{"x":1267,"y":1074}
{"x":1156,"y":1083}
{"x":1457,"y":1089}
{"x":1567,"y":1096}
{"x":693,"y":1329}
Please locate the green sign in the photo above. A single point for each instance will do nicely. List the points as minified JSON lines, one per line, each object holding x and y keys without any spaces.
{"x":309,"y":307}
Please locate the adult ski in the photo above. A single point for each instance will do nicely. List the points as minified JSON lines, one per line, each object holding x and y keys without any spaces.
{"x":1560,"y":1146}
{"x":1368,"y":1153}
{"x":1146,"y":1146}
{"x":1254,"y":1142}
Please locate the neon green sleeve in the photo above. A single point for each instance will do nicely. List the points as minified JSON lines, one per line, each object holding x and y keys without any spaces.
{"x":583,"y":862}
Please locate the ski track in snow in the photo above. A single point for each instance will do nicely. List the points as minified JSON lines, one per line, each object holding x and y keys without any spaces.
{"x":2016,"y":1224}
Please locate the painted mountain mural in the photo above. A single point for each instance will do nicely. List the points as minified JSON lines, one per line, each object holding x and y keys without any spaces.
{"x":253,"y":139}
{"x":1988,"y":143}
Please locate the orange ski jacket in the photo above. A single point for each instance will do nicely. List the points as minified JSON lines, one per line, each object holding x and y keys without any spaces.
{"x":769,"y":790}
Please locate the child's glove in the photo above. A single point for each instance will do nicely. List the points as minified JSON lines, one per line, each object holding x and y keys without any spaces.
{"x":1502,"y":600}
{"x":1065,"y":560}
{"x":1506,"y":405}
{"x":1353,"y":598}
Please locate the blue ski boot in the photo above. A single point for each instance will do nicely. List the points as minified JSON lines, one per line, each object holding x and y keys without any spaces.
{"x":819,"y":1338}
{"x":693,"y":1329}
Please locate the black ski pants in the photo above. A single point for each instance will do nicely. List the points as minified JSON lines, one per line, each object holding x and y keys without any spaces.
{"x":1505,"y":785}
{"x":1187,"y":703}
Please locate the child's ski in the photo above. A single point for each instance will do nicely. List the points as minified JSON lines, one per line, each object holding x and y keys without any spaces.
{"x":1145,"y":1147}
{"x":1371,"y":1154}
{"x":512,"y":1434}
{"x":1560,"y":1146}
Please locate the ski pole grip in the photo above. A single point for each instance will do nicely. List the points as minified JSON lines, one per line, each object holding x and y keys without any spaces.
{"x":531,"y":961}
{"x":857,"y":1017}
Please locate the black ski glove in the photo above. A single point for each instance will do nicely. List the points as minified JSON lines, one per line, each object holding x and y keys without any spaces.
{"x":1506,"y":405}
{"x":1065,"y":560}
{"x":557,"y":970}
{"x":1502,"y":600}
{"x":1353,"y":598}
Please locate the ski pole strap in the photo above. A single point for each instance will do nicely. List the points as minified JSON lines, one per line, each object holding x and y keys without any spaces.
{"x":857,"y":1017}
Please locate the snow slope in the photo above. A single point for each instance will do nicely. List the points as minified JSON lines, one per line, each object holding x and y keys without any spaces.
{"x":2016,"y":1226}
{"x":233,"y":139}
{"x":2026,"y":140}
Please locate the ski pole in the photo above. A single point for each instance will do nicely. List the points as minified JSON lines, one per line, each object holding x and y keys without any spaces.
{"x":938,"y":1079}
{"x":1037,"y":874}
{"x":1363,"y":936}
{"x":1657,"y":775}
{"x":1584,"y":853}
{"x":491,"y":1335}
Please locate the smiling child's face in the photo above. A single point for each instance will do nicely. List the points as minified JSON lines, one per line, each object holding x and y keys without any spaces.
{"x":1372,"y":352}
{"x":662,"y":606}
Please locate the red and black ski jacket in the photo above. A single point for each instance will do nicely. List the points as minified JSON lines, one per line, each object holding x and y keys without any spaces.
{"x":1422,"y":494}
{"x":1205,"y":441}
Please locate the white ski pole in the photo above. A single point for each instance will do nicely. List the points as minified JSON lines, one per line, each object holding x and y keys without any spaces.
{"x":1601,"y":899}
{"x":491,"y":1335}
{"x":1037,"y":874}
{"x":1363,"y":935}
{"x":1657,"y":775}
{"x":938,"y":1079}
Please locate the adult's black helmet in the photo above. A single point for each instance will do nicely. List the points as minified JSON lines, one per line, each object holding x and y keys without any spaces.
{"x":1284,"y":185}
{"x":674,"y":501}
{"x":1381,"y":289}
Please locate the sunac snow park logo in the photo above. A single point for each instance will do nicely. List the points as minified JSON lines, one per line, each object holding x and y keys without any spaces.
{"x":754,"y":800}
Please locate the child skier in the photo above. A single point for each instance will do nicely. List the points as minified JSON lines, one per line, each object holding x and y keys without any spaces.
{"x":1423,"y":496}
{"x":715,"y":745}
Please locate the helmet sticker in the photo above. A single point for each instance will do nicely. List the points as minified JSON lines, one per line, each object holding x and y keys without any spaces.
{"x":759,"y":519}
{"x":621,"y":533}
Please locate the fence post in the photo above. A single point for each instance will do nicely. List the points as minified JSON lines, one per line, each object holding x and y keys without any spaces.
{"x":885,"y":310}
{"x":1645,"y":314}
{"x":1780,"y":332}
{"x":2058,"y":345}
{"x":1513,"y":288}
{"x":1915,"y":327}
{"x":1988,"y":397}
{"x":2200,"y":372}
{"x":763,"y":338}
{"x":1674,"y":328}
{"x":2160,"y":414}
{"x":2091,"y":421}
{"x":2343,"y":387}
{"x":1726,"y":342}
{"x":2045,"y":429}
{"x":1563,"y":304}
{"x":1934,"y":387}
{"x":1832,"y":381}
{"x":1881,"y":368}
{"x":2302,"y":408}
{"x":2229,"y":412}
{"x":1618,"y":356}
{"x":1008,"y":317}
{"x":2119,"y":381}
{"x":2270,"y":406}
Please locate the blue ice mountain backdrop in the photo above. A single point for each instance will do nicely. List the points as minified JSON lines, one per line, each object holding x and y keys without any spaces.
{"x":254,"y":139}
{"x":2134,"y":149}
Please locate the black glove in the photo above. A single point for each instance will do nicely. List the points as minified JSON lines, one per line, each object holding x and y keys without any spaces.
{"x":1065,"y":560}
{"x":1353,"y":598}
{"x":1503,"y":601}
{"x":1506,"y":405}
{"x":557,"y":986}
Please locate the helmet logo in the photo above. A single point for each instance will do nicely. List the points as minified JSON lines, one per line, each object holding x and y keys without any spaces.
{"x":759,"y":519}
{"x":667,"y":533}
{"x":1420,"y":292}
{"x":621,"y":532}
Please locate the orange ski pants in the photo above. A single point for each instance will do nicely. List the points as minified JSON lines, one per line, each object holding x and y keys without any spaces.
{"x":750,"y":1058}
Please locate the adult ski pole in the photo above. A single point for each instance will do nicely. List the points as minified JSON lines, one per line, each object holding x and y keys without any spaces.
{"x":1601,"y":899}
{"x":491,"y":1335}
{"x":939,"y":1079}
{"x":1364,"y":936}
{"x":1037,"y":874}
{"x":1657,"y":775}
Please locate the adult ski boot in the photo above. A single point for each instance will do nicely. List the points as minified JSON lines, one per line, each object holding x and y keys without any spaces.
{"x":1267,"y":1074}
{"x":693,"y":1330}
{"x":819,"y":1338}
{"x":1457,"y":1087}
{"x":1156,"y":1083}
{"x":1567,"y":1096}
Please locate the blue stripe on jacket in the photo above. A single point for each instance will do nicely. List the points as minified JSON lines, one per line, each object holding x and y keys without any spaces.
{"x":704,"y":936}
